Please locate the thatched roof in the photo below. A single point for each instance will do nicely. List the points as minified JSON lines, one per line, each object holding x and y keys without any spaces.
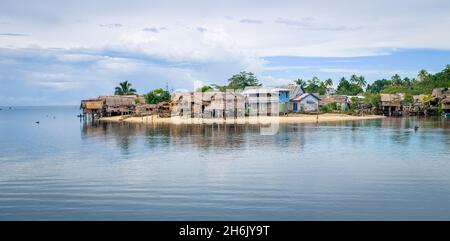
{"x":340,"y":99}
{"x":119,"y":100}
{"x":141,"y":100}
{"x":392,"y":97}
{"x":93,"y":105}
{"x":446,"y":100}
{"x":440,"y":92}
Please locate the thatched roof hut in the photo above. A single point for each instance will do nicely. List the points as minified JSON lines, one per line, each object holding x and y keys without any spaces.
{"x":119,"y":100}
{"x":446,"y":103}
{"x":91,"y":105}
{"x":145,"y":109}
{"x":441,"y":93}
{"x":328,"y":99}
{"x":116,"y":104}
{"x":395,"y":100}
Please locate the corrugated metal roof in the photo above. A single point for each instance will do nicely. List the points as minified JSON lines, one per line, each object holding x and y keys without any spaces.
{"x":302,"y":96}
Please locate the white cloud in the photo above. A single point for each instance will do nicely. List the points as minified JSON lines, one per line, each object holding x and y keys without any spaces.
{"x":294,"y":28}
{"x":274,"y":81}
{"x":368,"y":71}
{"x":251,"y":21}
{"x":185,"y":41}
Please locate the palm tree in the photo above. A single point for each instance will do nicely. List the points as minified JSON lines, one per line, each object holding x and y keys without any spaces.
{"x":329,"y":83}
{"x":124,"y":88}
{"x":358,"y":80}
{"x":362,"y":81}
{"x":353,"y":79}
{"x":423,"y":75}
{"x":300,"y":82}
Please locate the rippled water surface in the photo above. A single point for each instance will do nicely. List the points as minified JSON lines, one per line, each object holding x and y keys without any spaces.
{"x":376,"y":169}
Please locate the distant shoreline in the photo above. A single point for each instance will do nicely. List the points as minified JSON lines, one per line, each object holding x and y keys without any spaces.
{"x":245,"y":120}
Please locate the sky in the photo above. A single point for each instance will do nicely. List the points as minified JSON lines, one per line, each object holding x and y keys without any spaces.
{"x":59,"y":52}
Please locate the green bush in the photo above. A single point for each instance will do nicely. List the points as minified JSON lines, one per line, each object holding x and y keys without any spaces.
{"x":327,"y":108}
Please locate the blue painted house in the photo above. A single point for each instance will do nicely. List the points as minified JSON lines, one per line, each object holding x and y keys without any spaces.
{"x":300,"y":101}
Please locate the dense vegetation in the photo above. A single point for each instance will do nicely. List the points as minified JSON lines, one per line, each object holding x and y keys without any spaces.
{"x":157,"y":96}
{"x":355,"y":85}
{"x":237,"y":81}
{"x":423,"y":84}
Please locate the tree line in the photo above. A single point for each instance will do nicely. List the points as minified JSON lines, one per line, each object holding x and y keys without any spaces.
{"x":237,"y":81}
{"x":424,"y":83}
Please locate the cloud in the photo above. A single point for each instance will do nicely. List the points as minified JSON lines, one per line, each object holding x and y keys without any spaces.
{"x":337,"y":28}
{"x":111,"y":25}
{"x":153,"y":29}
{"x":200,"y":42}
{"x":304,"y":22}
{"x":201,"y":29}
{"x":311,"y":24}
{"x":68,"y":75}
{"x":269,"y":80}
{"x":14,"y":34}
{"x":251,"y":21}
{"x":368,"y":71}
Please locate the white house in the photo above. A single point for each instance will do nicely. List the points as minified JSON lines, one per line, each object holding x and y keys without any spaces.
{"x":306,"y":102}
{"x":266,"y":100}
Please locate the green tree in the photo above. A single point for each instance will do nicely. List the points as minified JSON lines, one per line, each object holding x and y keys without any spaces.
{"x":343,"y":87}
{"x":313,"y":85}
{"x":328,"y":83}
{"x":396,"y":80}
{"x":423,"y":75}
{"x":372,"y":99}
{"x":358,"y":80}
{"x":378,"y":86}
{"x":349,"y":88}
{"x":205,"y":88}
{"x":300,"y":82}
{"x":222,"y":88}
{"x":157,"y":95}
{"x":124,"y":88}
{"x":242,"y":80}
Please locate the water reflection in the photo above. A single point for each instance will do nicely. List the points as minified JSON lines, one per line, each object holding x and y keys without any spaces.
{"x":374,"y":169}
{"x":401,"y":130}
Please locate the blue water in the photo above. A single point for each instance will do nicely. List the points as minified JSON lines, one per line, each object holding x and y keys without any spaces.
{"x":63,"y":169}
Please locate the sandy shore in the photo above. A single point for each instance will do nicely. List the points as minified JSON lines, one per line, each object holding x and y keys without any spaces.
{"x":251,"y":120}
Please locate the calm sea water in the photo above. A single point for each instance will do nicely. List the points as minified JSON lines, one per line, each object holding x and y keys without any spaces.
{"x":376,"y":169}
